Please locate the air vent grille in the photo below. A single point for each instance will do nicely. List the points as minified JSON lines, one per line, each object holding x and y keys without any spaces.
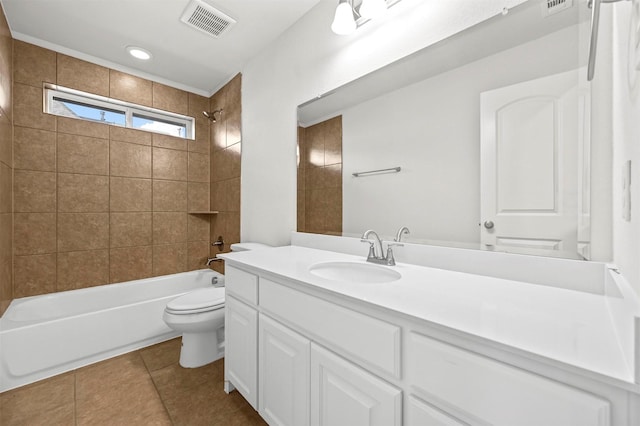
{"x":207,"y":19}
{"x":551,"y":7}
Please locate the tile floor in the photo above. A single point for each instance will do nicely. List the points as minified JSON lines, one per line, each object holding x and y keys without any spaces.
{"x":145,"y":387}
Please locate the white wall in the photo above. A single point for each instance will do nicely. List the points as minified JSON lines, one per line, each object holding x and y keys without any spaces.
{"x":432,"y":130}
{"x":626,"y":138}
{"x":307,"y":60}
{"x":601,"y":146}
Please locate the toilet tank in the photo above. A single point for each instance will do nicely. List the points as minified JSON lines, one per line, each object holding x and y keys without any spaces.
{"x":248,"y":246}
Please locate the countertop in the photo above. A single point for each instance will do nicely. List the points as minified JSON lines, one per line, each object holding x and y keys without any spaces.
{"x":569,"y":326}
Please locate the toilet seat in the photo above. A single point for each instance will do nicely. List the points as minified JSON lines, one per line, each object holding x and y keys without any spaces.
{"x":203,"y":300}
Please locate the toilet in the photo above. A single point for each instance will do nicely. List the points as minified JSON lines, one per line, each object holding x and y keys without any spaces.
{"x":199,"y":316}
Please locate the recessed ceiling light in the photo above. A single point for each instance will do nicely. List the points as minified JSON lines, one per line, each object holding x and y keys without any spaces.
{"x":139,"y":53}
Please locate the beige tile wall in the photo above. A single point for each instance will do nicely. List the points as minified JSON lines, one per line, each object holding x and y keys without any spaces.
{"x":6,"y":165}
{"x":97,"y":204}
{"x":226,"y":146}
{"x":320,"y":178}
{"x":301,"y":192}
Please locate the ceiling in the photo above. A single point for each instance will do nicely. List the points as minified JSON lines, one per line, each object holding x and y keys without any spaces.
{"x":99,"y":30}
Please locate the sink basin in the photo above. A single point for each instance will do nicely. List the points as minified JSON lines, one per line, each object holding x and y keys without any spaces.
{"x":354,"y":272}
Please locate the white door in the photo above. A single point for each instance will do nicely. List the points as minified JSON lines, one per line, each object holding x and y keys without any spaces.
{"x":529,"y":166}
{"x":241,"y":349}
{"x":284,"y":374}
{"x":345,"y":394}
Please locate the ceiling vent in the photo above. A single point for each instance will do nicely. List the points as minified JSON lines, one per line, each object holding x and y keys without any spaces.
{"x":551,"y":7}
{"x":207,"y":19}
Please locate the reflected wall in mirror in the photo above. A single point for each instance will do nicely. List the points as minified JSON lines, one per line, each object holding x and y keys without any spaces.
{"x":490,"y":128}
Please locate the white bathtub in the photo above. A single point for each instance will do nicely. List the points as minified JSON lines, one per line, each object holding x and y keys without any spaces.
{"x":45,"y":335}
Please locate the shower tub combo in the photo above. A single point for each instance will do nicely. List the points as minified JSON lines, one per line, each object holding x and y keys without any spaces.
{"x":41,"y":336}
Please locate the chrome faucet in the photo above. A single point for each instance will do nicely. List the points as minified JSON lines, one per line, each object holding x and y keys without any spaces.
{"x":372,"y":248}
{"x":404,"y":230}
{"x":210,"y":260}
{"x":372,"y":257}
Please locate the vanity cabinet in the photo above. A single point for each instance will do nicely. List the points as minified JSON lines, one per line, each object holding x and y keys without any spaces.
{"x":298,"y":382}
{"x":302,"y":356}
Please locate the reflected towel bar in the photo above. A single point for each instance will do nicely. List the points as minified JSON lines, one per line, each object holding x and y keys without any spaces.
{"x":372,"y":172}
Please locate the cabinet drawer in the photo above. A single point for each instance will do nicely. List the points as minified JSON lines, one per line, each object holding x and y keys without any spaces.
{"x":374,"y":342}
{"x":241,"y":284}
{"x":419,"y":413}
{"x":488,"y":391}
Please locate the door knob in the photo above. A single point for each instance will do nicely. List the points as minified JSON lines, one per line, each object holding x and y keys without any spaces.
{"x":489,"y":224}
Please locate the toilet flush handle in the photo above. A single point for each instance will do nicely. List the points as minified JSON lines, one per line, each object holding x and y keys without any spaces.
{"x":216,"y":283}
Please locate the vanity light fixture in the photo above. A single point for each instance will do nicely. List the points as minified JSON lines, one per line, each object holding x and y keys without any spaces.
{"x":351,"y":14}
{"x":139,"y":53}
{"x":344,"y":22}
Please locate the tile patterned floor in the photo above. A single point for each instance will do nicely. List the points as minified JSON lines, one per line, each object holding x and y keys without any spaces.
{"x":145,"y":387}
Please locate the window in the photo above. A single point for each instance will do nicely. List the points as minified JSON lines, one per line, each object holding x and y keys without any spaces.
{"x":85,"y":106}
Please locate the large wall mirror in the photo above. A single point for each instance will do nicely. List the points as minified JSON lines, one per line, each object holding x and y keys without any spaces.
{"x":483,"y":141}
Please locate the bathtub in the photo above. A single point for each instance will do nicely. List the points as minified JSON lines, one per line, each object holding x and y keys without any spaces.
{"x":41,"y":336}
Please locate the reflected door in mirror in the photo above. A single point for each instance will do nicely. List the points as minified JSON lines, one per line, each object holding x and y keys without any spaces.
{"x":529,"y":166}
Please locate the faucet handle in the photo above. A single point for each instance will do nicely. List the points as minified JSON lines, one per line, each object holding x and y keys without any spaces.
{"x":404,"y":230}
{"x":372,"y":250}
{"x":391,"y":261}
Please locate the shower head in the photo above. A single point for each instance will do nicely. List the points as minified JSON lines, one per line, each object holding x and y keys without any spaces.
{"x":211,"y":115}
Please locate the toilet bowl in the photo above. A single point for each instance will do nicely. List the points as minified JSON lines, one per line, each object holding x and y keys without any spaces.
{"x":199,"y":316}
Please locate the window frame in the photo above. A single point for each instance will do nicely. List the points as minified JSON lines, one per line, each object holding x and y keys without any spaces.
{"x":52,"y":91}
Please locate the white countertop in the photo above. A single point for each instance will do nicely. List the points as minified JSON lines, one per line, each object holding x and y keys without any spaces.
{"x":569,"y":326}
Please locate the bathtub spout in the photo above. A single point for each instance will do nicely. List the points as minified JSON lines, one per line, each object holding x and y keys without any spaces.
{"x":210,"y":260}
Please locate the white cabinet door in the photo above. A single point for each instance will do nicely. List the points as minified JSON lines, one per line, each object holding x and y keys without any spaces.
{"x":241,"y":349}
{"x":284,"y":374}
{"x":344,"y":394}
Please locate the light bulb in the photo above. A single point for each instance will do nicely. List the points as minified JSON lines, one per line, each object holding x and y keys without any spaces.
{"x":139,"y":53}
{"x":343,"y":21}
{"x":371,"y":9}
